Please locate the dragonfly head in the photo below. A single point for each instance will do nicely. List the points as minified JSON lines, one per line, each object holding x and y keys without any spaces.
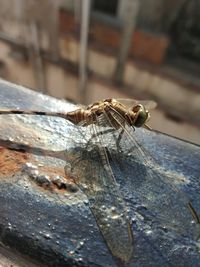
{"x":141,"y":115}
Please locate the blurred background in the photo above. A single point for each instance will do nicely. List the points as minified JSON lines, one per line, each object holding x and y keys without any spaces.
{"x":89,"y":50}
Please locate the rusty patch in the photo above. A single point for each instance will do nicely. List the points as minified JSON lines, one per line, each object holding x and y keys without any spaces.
{"x":11,"y":161}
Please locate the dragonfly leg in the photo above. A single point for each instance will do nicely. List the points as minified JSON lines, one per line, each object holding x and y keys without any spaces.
{"x":103,"y":132}
{"x":193,"y":212}
{"x":120,"y":138}
{"x":100,"y":133}
{"x":195,"y":216}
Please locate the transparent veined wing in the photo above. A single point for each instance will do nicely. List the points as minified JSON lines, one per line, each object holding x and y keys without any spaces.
{"x":149,"y":104}
{"x":95,"y":178}
{"x":153,"y":189}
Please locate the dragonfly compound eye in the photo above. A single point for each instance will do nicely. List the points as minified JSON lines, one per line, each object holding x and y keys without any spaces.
{"x":141,"y":115}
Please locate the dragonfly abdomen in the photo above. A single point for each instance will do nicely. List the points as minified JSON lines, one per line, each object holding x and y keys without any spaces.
{"x":79,"y":116}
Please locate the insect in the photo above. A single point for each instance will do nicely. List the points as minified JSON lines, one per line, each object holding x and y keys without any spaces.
{"x":137,"y":116}
{"x":114,"y":117}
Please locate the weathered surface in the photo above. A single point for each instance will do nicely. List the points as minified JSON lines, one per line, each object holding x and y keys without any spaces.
{"x":43,"y":214}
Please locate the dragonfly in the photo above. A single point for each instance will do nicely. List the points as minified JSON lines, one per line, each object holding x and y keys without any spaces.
{"x":96,"y":177}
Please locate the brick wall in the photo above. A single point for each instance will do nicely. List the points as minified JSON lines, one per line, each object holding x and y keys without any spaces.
{"x":146,"y":46}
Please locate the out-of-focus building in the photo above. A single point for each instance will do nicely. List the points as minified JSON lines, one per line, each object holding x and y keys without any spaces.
{"x":133,"y":49}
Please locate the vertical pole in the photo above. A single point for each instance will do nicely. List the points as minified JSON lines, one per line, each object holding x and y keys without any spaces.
{"x":85,"y":17}
{"x":129,"y":23}
{"x":35,"y":55}
{"x":53,"y":27}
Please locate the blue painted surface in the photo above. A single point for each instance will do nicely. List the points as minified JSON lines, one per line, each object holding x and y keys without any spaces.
{"x":61,"y":230}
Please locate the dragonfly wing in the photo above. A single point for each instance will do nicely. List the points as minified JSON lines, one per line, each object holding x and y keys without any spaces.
{"x":96,"y":179}
{"x":149,"y":104}
{"x":129,"y":103}
{"x":153,"y":188}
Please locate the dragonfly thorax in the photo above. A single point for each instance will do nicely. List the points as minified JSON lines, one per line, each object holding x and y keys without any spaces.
{"x":137,"y":116}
